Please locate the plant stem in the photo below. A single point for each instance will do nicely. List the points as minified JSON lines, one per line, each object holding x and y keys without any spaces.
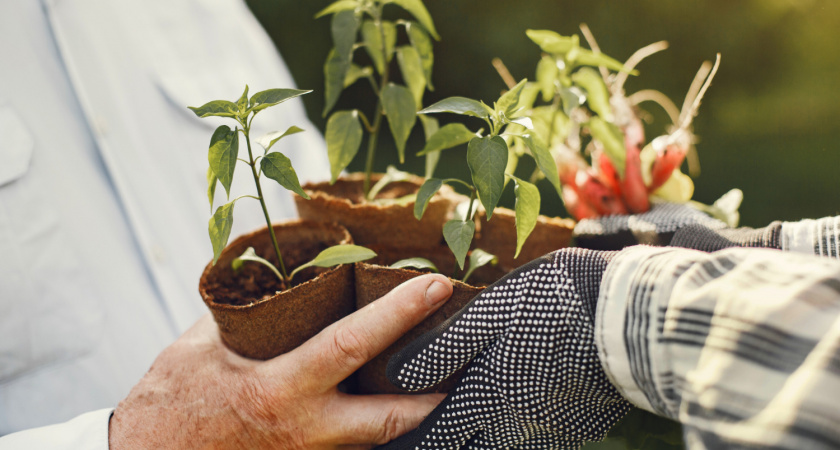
{"x":380,"y":111}
{"x":472,"y":201}
{"x":265,"y":210}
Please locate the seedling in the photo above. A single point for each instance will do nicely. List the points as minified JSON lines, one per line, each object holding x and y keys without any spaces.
{"x":396,"y":103}
{"x":489,"y":163}
{"x":224,"y":156}
{"x":478,"y":258}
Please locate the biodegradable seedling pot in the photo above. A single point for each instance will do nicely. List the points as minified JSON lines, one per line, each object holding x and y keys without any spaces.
{"x":374,"y":279}
{"x":258,"y":319}
{"x":372,"y":223}
{"x":498,"y":236}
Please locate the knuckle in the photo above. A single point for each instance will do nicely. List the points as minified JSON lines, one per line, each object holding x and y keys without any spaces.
{"x":350,"y":347}
{"x":393,"y":425}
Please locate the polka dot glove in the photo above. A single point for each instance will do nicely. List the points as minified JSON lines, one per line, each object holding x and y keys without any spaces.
{"x":655,"y":227}
{"x":534,"y":380}
{"x":700,"y":237}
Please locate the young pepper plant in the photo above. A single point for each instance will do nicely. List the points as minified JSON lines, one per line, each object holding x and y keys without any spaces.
{"x":223,"y":157}
{"x":488,"y":161}
{"x":396,"y":103}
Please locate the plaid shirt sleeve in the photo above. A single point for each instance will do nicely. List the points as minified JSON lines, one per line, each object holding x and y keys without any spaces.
{"x":742,"y":346}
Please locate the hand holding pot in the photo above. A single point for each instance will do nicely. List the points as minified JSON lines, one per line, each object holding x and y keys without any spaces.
{"x":200,"y":394}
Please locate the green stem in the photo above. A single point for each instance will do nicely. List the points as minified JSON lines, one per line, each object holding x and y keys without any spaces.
{"x":472,"y":201}
{"x":380,"y":111}
{"x":265,"y":210}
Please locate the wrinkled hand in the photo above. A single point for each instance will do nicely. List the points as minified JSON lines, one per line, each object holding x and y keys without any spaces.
{"x":199,"y":394}
{"x":534,"y":378}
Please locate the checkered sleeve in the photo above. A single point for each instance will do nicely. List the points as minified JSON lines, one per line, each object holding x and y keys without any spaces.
{"x":742,"y":346}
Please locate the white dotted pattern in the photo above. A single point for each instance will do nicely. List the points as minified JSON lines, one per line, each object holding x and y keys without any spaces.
{"x":535,"y":380}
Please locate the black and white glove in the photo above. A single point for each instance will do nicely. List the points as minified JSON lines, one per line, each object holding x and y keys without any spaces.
{"x":534,"y":379}
{"x":819,"y":237}
{"x":655,"y":227}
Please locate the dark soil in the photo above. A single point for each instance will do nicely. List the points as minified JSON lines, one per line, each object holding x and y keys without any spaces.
{"x":255,"y":282}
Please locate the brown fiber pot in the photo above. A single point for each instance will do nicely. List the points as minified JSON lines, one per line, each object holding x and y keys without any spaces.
{"x":498,"y":236}
{"x":376,"y":223}
{"x":374,"y":281}
{"x":258,"y":320}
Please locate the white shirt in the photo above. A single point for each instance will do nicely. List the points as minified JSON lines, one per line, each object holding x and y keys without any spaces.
{"x":103,"y":204}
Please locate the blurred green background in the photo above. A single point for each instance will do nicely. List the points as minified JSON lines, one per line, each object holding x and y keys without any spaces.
{"x":768,"y":125}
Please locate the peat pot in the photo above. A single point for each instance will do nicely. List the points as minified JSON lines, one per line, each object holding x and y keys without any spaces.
{"x":374,"y":279}
{"x":384,"y":221}
{"x":257,"y":318}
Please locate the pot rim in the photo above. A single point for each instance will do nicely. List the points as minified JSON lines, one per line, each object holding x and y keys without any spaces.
{"x":346,"y":238}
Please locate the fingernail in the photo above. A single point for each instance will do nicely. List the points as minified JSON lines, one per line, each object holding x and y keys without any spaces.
{"x":436,"y":293}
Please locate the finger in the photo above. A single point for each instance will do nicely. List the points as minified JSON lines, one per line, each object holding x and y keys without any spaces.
{"x":340,"y":349}
{"x":376,"y":419}
{"x":439,"y":430}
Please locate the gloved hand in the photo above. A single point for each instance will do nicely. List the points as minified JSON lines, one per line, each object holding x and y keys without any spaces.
{"x":535,"y":380}
{"x":811,"y":236}
{"x":655,"y":227}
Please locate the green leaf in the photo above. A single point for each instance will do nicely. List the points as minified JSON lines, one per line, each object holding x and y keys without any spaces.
{"x":612,"y":139}
{"x":451,"y":135}
{"x":269,"y":139}
{"x":527,"y":211}
{"x":552,"y":42}
{"x":423,"y":44}
{"x":219,"y":108}
{"x":458,"y":235}
{"x":278,"y":167}
{"x":265,"y":99}
{"x":571,"y":97}
{"x":335,"y":76}
{"x":430,"y":127}
{"x":479,"y":258}
{"x":425,"y":194}
{"x":597,"y":95}
{"x":340,"y":5}
{"x":417,"y":263}
{"x":380,"y":53}
{"x":460,"y":105}
{"x":353,"y":73}
{"x":547,"y":72}
{"x":219,"y":228}
{"x":589,"y":58}
{"x":211,"y":186}
{"x":242,"y":103}
{"x":392,"y":174}
{"x":544,"y":161}
{"x":338,"y":254}
{"x":250,"y":255}
{"x":412,"y":71}
{"x":398,"y":103}
{"x":344,"y":26}
{"x":509,"y":101}
{"x":343,"y":136}
{"x":224,"y":149}
{"x":419,"y":11}
{"x":487,"y":158}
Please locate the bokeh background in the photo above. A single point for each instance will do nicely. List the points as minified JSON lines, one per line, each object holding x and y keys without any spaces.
{"x":769,"y":124}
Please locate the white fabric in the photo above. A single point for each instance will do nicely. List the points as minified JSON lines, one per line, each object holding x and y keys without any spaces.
{"x":103,"y":218}
{"x":88,"y":431}
{"x":818,"y":237}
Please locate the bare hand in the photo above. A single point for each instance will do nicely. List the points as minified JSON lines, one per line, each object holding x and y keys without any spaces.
{"x":199,"y":394}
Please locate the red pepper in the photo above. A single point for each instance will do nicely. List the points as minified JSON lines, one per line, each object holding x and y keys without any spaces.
{"x":664,"y":165}
{"x":633,"y":188}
